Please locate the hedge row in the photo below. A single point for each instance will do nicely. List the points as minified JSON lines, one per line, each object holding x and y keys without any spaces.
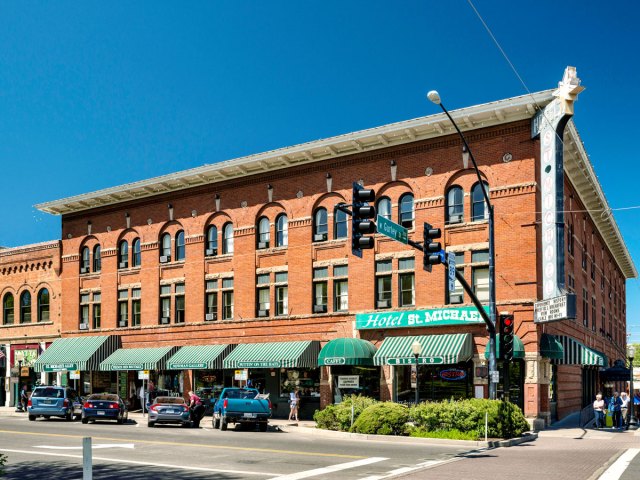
{"x":505,"y":420}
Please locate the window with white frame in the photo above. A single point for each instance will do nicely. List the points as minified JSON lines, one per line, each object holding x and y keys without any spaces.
{"x":383,"y":283}
{"x":340,"y":288}
{"x":406,"y":282}
{"x":227,"y":298}
{"x":282,"y":293}
{"x":211,"y":297}
{"x":320,"y":289}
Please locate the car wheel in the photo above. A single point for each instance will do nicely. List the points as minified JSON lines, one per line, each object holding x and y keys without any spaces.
{"x":151,"y":424}
{"x":85,"y":420}
{"x":215,"y":423}
{"x":32,"y":418}
{"x":120,"y":420}
{"x":223,"y":424}
{"x":263,"y":426}
{"x":47,"y":417}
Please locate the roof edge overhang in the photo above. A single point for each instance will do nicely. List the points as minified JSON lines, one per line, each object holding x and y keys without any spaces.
{"x":423,"y":128}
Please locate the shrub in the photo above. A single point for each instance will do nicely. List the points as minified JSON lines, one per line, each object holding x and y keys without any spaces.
{"x":382,"y":419}
{"x":338,"y":417}
{"x":448,"y":434}
{"x":3,"y":461}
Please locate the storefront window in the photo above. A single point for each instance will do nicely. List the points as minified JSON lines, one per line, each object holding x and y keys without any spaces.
{"x":367,"y":379}
{"x":436,"y":383}
{"x":306,"y":379}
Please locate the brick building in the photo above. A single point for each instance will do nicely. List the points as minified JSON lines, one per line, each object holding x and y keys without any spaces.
{"x":245,"y":265}
{"x":31,"y":308}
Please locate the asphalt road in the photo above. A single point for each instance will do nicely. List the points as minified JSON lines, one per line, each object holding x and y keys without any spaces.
{"x":52,"y":449}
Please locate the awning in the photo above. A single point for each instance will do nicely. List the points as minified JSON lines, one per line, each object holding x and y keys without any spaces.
{"x":436,"y":349}
{"x":518,"y":347}
{"x":77,"y":353}
{"x":576,"y":353}
{"x":347,"y":351}
{"x":274,"y":355}
{"x":618,"y":373}
{"x":550,"y":347}
{"x":138,"y":359}
{"x":199,"y":357}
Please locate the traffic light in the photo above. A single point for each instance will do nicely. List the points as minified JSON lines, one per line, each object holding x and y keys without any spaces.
{"x":361,"y":221}
{"x":431,"y":249}
{"x":506,"y":337}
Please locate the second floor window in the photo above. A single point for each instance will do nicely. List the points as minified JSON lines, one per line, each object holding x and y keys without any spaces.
{"x":383,"y":284}
{"x":123,"y":308}
{"x":8,"y":309}
{"x":320,"y":289}
{"x":136,"y":307}
{"x":43,"y":305}
{"x":227,"y":299}
{"x":25,"y":307}
{"x":455,"y":206}
{"x":320,"y":227}
{"x":406,"y":282}
{"x":211,"y":301}
{"x":282,"y":293}
{"x":179,"y":300}
{"x":340,"y":288}
{"x":123,"y":254}
{"x":457,"y":296}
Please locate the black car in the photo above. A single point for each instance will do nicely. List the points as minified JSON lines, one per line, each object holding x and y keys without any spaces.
{"x":104,"y":406}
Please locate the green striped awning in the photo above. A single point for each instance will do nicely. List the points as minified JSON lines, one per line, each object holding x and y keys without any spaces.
{"x":77,"y":353}
{"x":577,"y":353}
{"x":550,"y":347}
{"x":436,"y":349}
{"x":194,"y":357}
{"x":302,"y":354}
{"x":138,"y":359}
{"x":347,"y":351}
{"x":518,"y":347}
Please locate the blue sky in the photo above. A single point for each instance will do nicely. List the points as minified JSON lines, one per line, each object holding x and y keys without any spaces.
{"x":96,"y":94}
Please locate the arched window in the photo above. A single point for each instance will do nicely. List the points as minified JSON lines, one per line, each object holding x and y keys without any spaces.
{"x":384,"y":208}
{"x":282,"y":231}
{"x":180,"y":245}
{"x":227,"y":238}
{"x":136,"y":257}
{"x":212,"y":241}
{"x":263,"y":233}
{"x":454,"y":210}
{"x":97,"y":259}
{"x":165,"y":248}
{"x":85,"y":261}
{"x":340,"y":224}
{"x":123,"y":254}
{"x":43,"y":305}
{"x":320,"y":228}
{"x":25,"y":307}
{"x":479,"y":209}
{"x":7,"y":309}
{"x":406,"y":210}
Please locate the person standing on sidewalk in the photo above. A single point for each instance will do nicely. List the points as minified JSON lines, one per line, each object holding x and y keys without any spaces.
{"x":615,"y":406}
{"x":598,"y":410}
{"x":624,"y":409}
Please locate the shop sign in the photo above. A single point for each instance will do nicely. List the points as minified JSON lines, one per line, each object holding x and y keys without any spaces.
{"x":26,"y":356}
{"x":420,"y":318}
{"x":259,"y":364}
{"x":412,"y":360}
{"x":240,"y":375}
{"x":24,"y":372}
{"x":335,"y":361}
{"x":127,"y":366}
{"x":348,"y":381}
{"x":209,"y":378}
{"x":555,"y":309}
{"x":186,"y":365}
{"x":453,"y":374}
{"x":74,"y":375}
{"x":143,"y":375}
{"x":58,"y":367}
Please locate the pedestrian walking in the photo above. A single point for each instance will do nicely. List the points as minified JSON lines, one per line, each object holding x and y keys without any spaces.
{"x":598,"y":410}
{"x":196,"y":409}
{"x":294,"y":403}
{"x":615,"y":406}
{"x":24,"y":398}
{"x":624,"y":408}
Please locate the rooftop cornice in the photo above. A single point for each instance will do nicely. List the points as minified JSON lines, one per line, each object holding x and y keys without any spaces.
{"x":423,"y":128}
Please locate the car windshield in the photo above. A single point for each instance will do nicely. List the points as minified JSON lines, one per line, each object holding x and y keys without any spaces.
{"x":170,"y":400}
{"x":110,"y":397}
{"x":243,"y":394}
{"x":48,"y":392}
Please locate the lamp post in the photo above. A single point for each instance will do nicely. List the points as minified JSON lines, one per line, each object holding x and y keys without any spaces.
{"x":416,"y":348}
{"x":631,"y":418}
{"x":434,"y":97}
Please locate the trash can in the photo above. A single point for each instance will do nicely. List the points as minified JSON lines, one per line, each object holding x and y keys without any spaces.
{"x":608,"y":419}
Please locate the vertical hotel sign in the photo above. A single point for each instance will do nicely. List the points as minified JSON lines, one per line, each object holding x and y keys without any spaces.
{"x":549,"y":124}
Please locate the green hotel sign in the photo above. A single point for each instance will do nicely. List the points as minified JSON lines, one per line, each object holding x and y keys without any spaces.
{"x":58,"y":367}
{"x":419,"y":318}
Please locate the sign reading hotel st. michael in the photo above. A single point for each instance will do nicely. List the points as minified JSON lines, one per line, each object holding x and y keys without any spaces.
{"x":419,"y":318}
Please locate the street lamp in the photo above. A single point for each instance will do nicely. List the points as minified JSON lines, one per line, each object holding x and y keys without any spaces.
{"x":416,"y":348}
{"x":631,"y":353}
{"x":434,"y":97}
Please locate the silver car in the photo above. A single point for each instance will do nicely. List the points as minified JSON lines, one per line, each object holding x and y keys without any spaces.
{"x":169,"y":410}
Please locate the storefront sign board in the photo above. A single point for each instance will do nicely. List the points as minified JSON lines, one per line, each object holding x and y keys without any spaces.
{"x":258,"y":364}
{"x":555,"y":309}
{"x":241,"y":375}
{"x":453,"y":374}
{"x":348,"y":381}
{"x":127,"y":366}
{"x":74,"y":374}
{"x":412,"y":360}
{"x":419,"y":318}
{"x":59,"y":367}
{"x":143,"y":375}
{"x":335,"y":361}
{"x":187,"y":366}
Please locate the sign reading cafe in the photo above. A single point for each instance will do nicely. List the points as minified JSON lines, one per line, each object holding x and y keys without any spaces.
{"x":419,"y":318}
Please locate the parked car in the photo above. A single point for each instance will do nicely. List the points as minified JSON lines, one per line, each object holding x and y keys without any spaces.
{"x":169,"y":410}
{"x":53,"y":401}
{"x":104,"y":406}
{"x":243,"y":406}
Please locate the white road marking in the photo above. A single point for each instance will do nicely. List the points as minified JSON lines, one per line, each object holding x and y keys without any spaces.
{"x":331,"y":468}
{"x":615,"y":471}
{"x":149,"y":464}
{"x":398,"y":471}
{"x":93,"y":447}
